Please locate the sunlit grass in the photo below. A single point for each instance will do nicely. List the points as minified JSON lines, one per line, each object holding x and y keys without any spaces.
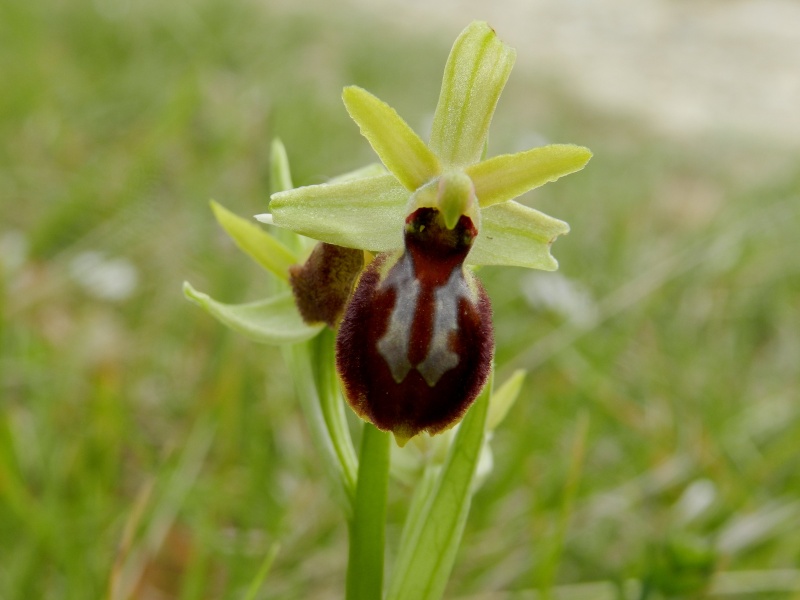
{"x":141,"y":444}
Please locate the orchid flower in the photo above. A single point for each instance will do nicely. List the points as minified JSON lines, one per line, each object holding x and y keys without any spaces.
{"x":415,"y":345}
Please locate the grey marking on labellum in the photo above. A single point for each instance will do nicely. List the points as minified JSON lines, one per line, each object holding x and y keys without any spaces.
{"x":394,"y":344}
{"x":440,"y":358}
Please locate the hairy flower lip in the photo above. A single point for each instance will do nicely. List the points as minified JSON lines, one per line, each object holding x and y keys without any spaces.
{"x":415,"y":345}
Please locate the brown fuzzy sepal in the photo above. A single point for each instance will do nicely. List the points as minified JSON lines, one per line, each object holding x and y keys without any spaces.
{"x":322,"y":285}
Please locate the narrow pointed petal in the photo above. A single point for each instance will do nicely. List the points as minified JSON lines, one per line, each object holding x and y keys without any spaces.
{"x":363,"y":213}
{"x":516,"y":235}
{"x":505,"y":177}
{"x":474,"y":77}
{"x":253,"y":241}
{"x":271,"y":321}
{"x":400,"y":149}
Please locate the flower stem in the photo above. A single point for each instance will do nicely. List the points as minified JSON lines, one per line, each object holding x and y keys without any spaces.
{"x":365,"y":563}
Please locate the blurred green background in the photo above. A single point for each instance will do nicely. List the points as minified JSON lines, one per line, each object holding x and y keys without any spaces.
{"x":143,"y":444}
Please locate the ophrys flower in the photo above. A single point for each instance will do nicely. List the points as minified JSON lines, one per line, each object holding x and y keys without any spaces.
{"x":415,"y":344}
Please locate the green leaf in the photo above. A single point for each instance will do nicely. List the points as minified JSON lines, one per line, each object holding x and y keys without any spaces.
{"x":429,"y":546}
{"x":424,"y":487}
{"x":503,"y":399}
{"x":475,"y":74}
{"x":253,"y":241}
{"x":400,"y":149}
{"x":507,"y":176}
{"x":271,"y":321}
{"x":516,"y":235}
{"x":364,"y":213}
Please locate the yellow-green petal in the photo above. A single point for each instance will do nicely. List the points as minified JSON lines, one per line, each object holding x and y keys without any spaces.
{"x":364,"y":213}
{"x":253,"y":241}
{"x":400,"y":149}
{"x":515,"y":235}
{"x":272,"y":321}
{"x":476,"y":72}
{"x":505,"y":177}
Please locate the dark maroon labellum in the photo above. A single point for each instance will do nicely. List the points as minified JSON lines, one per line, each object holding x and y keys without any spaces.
{"x":415,"y":344}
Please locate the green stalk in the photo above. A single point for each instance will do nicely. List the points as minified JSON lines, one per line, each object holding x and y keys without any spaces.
{"x":365,"y":562}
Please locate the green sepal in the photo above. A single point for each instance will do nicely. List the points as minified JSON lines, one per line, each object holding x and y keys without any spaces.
{"x":367,"y":213}
{"x":399,"y":148}
{"x":267,"y":251}
{"x":370,"y":170}
{"x":505,"y":177}
{"x":436,"y":522}
{"x":271,"y":321}
{"x":476,"y":72}
{"x":363,"y":213}
{"x":515,"y":235}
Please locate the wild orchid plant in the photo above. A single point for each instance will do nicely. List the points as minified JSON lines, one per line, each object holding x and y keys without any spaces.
{"x":386,"y":308}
